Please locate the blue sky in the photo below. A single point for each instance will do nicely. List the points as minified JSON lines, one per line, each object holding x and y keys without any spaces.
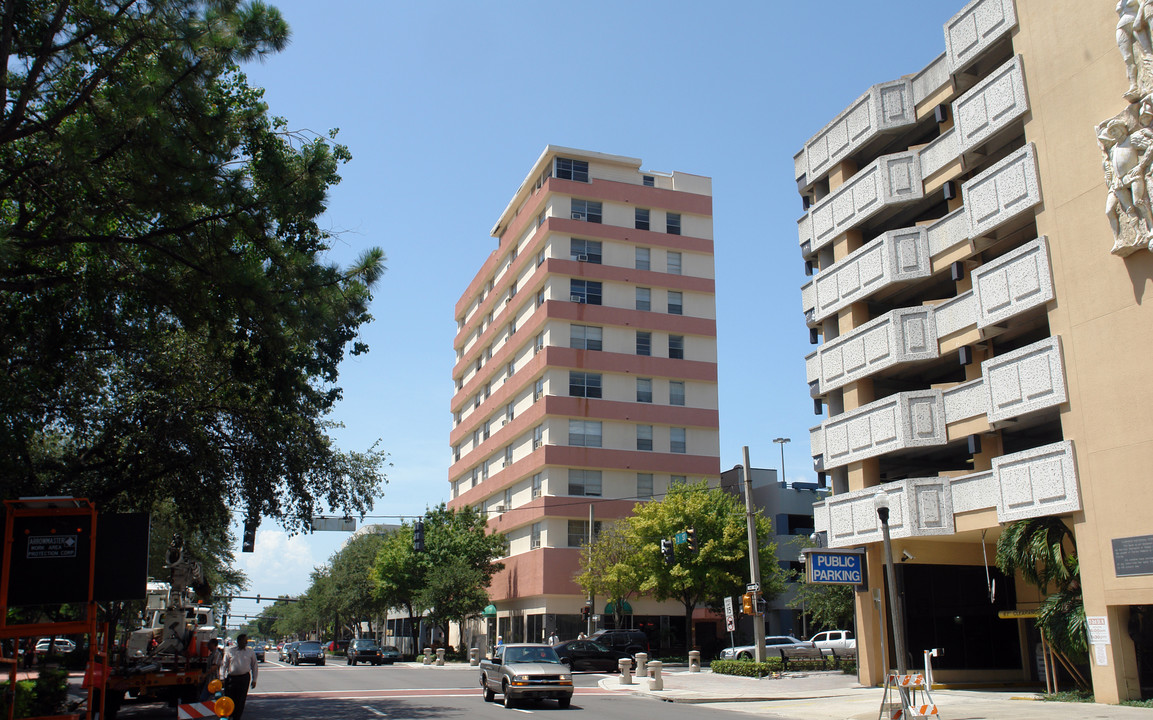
{"x":445,"y":106}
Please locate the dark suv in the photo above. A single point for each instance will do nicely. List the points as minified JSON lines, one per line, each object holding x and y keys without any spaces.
{"x":630,"y":641}
{"x":363,"y":650}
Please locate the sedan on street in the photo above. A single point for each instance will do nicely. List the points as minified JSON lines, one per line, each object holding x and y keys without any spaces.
{"x":306,"y":652}
{"x":589,"y":655}
{"x":773,"y":643}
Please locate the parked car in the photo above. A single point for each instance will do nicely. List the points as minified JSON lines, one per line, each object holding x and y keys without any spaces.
{"x":285,"y":652}
{"x":363,"y":650}
{"x":629,"y":641}
{"x":259,"y":650}
{"x":525,"y":672}
{"x":589,"y":655}
{"x":389,"y":654}
{"x":831,"y":640}
{"x":773,"y":643}
{"x":61,"y":646}
{"x":306,"y":652}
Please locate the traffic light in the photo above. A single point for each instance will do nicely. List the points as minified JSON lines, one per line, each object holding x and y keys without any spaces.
{"x":692,"y":539}
{"x":667,"y":550}
{"x":248,"y":542}
{"x":585,"y":610}
{"x":760,"y":603}
{"x":418,"y":536}
{"x":747,"y":603}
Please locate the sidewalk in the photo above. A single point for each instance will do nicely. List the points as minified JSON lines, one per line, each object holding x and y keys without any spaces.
{"x":836,"y":696}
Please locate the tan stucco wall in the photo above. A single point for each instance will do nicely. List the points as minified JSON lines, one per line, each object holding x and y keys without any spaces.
{"x":1076,"y":78}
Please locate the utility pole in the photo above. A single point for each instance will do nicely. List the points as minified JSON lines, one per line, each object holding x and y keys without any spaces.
{"x":592,"y":597}
{"x":754,"y":560}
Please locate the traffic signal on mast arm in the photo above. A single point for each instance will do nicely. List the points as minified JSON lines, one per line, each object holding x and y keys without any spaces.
{"x":418,"y":536}
{"x":248,"y":541}
{"x":667,"y":550}
{"x":691,"y":533}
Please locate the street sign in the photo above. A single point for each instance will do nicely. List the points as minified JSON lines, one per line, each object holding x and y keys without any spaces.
{"x":681,"y":538}
{"x":753,"y":587}
{"x":835,"y":568}
{"x":728,"y":606}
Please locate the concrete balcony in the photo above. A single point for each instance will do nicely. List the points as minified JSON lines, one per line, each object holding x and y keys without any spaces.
{"x":975,"y":29}
{"x":1032,"y":483}
{"x":990,"y":106}
{"x":996,"y":202}
{"x":1008,"y":286}
{"x":883,"y":108}
{"x":1019,"y":383}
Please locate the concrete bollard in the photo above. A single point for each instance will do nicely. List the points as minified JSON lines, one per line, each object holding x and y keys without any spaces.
{"x":656,"y":682}
{"x":694,"y":661}
{"x":641,"y":666}
{"x":428,"y":656}
{"x":474,"y":657}
{"x":626,"y":667}
{"x":440,"y":656}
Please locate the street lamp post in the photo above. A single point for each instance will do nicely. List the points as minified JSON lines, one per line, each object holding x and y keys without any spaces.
{"x":881,"y":503}
{"x":781,"y":441}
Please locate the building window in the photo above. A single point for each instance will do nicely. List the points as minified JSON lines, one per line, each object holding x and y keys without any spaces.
{"x":539,"y":345}
{"x":509,"y":370}
{"x":485,"y":433}
{"x":507,"y":499}
{"x":538,"y":389}
{"x":673,"y":263}
{"x":676,"y":392}
{"x":674,"y":479}
{"x":539,"y":298}
{"x":649,"y":181}
{"x":584,"y":433}
{"x":512,"y":329}
{"x":644,"y":256}
{"x":677,"y":346}
{"x":582,"y":384}
{"x":475,"y":476}
{"x":584,"y":482}
{"x":578,"y":532}
{"x":509,"y":412}
{"x":644,"y":342}
{"x":456,"y":452}
{"x":540,"y":218}
{"x":644,"y":485}
{"x":507,"y":456}
{"x":644,"y":437}
{"x":487,"y":390}
{"x":673,"y":223}
{"x":585,"y":337}
{"x":587,"y":210}
{"x":677,"y":440}
{"x":645,"y":390}
{"x":644,"y":299}
{"x":585,"y":251}
{"x":540,"y":258}
{"x":537,"y":436}
{"x":534,"y":538}
{"x":567,"y":169}
{"x":676,"y":303}
{"x":484,"y":470}
{"x":641,"y":219}
{"x":585,"y":291}
{"x":536,"y":485}
{"x":457,"y":417}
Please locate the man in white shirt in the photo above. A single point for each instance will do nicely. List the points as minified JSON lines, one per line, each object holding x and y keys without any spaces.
{"x":239,"y":673}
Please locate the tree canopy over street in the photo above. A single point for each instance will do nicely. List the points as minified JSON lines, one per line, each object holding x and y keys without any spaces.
{"x":170,"y":329}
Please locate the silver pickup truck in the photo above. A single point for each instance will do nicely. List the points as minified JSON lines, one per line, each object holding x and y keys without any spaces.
{"x":526,"y":672}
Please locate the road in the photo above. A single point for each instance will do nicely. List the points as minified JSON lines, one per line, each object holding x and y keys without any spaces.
{"x":365,"y":692}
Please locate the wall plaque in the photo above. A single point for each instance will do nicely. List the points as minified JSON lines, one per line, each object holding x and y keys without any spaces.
{"x":1133,"y":555}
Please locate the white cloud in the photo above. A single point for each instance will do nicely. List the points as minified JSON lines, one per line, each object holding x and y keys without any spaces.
{"x":280,"y":564}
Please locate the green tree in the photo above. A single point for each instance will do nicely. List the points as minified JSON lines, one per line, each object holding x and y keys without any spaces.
{"x":355,"y":597}
{"x":460,"y":559}
{"x":609,"y":569}
{"x":397,"y":576}
{"x":169,"y":327}
{"x":1044,"y":550}
{"x":827,"y":606}
{"x":720,"y":567}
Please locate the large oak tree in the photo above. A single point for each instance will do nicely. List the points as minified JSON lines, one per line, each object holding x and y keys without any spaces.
{"x":170,"y":328}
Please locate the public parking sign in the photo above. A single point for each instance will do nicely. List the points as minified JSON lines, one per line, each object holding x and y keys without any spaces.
{"x":836,"y":568}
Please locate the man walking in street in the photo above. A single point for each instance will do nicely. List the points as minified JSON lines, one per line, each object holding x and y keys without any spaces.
{"x":239,"y":673}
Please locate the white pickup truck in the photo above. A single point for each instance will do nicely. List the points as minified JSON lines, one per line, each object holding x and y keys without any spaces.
{"x":831,"y":640}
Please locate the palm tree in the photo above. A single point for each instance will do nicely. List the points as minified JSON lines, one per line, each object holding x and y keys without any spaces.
{"x":1045,"y":552}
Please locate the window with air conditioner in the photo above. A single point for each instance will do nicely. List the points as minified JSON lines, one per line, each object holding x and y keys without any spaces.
{"x":537,"y":436}
{"x":534,"y":536}
{"x":585,"y":251}
{"x":585,"y":291}
{"x":537,"y":484}
{"x":586,"y":210}
{"x":538,"y":389}
{"x":578,"y":532}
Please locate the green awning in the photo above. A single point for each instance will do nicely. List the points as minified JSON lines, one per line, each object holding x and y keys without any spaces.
{"x":489,"y":611}
{"x":628,"y":609}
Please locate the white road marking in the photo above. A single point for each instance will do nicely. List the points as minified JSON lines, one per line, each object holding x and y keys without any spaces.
{"x":374,"y":711}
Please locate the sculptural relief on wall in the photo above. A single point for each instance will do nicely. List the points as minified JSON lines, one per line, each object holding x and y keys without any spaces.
{"x":1126,"y":140}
